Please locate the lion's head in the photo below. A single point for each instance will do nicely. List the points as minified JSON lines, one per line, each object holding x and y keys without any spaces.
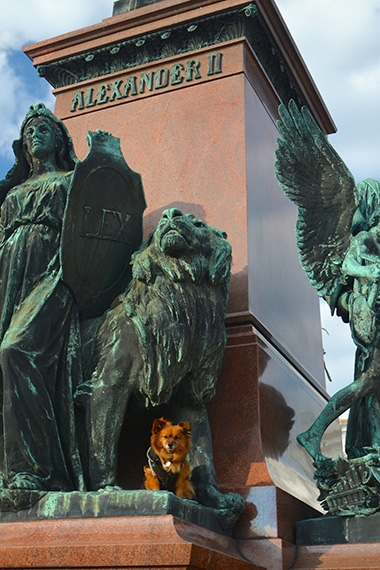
{"x":177,"y":301}
{"x":184,"y":247}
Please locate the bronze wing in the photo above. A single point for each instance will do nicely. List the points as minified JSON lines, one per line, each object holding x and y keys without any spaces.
{"x":315,"y":178}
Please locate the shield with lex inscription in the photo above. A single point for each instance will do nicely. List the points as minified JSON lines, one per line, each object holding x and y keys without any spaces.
{"x":102,"y":225}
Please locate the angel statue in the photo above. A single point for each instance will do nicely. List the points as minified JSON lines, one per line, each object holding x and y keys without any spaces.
{"x":338,"y":237}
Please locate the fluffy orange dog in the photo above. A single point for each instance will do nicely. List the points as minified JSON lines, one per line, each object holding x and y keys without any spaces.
{"x":168,"y":469}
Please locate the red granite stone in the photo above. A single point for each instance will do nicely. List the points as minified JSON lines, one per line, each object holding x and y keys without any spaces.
{"x":134,"y":542}
{"x":206,"y":145}
{"x":339,"y":557}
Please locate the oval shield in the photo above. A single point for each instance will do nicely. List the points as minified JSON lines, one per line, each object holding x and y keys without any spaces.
{"x":102,"y":225}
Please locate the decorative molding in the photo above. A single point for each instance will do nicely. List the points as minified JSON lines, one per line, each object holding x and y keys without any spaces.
{"x":175,"y":40}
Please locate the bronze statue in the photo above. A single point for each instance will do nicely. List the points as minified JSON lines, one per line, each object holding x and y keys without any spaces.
{"x":40,"y":346}
{"x":69,"y":362}
{"x":339,"y":244}
{"x":162,"y":345}
{"x":182,"y":270}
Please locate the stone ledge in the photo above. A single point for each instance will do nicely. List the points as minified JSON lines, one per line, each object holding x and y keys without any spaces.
{"x":112,"y":502}
{"x":126,"y":543}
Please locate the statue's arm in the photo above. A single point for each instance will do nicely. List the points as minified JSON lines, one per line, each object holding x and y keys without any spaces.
{"x":358,"y":263}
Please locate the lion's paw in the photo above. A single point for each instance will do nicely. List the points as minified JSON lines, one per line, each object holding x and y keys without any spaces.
{"x":210,"y":496}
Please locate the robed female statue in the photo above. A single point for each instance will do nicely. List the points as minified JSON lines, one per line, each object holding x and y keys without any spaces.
{"x":39,"y":323}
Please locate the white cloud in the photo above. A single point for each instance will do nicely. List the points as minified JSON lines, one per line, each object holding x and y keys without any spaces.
{"x":14,"y":100}
{"x":27,"y":21}
{"x":365,"y":81}
{"x":339,"y":43}
{"x":333,"y":35}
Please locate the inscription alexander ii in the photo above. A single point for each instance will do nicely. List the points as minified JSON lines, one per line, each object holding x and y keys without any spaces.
{"x":150,"y":81}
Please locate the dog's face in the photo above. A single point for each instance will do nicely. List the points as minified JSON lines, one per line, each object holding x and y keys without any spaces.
{"x":170,"y":440}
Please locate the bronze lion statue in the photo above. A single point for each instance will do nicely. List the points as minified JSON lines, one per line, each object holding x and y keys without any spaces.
{"x":162,"y":344}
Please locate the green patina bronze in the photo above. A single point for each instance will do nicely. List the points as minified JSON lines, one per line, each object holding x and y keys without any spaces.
{"x":116,"y":502}
{"x":338,"y":237}
{"x":40,"y":336}
{"x":74,"y":370}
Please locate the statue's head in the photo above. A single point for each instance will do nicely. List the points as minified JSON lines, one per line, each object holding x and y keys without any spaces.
{"x":63,"y":146}
{"x":65,"y":158}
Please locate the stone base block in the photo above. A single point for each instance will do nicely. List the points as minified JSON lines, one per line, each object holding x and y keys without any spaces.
{"x":164,"y":542}
{"x":332,"y":543}
{"x":364,"y":556}
{"x":272,"y":553}
{"x":339,"y":530}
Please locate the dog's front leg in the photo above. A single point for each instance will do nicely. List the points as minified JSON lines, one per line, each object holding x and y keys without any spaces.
{"x":151,"y":482}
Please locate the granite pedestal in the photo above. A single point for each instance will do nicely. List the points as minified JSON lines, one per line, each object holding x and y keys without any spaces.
{"x":192,"y":88}
{"x":349,"y":543}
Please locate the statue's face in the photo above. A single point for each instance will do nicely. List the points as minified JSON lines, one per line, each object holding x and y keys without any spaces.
{"x":39,"y":137}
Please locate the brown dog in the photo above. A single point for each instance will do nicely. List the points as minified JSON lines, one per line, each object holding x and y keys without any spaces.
{"x":168,"y":469}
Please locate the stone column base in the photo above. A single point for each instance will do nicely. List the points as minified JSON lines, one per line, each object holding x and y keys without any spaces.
{"x":147,"y":542}
{"x":338,"y":557}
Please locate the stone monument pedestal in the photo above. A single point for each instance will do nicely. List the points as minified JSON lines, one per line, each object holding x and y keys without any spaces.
{"x":192,"y":88}
{"x":338,"y":557}
{"x":347,"y":543}
{"x":164,"y":542}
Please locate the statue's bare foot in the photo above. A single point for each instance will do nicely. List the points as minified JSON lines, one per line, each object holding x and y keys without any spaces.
{"x":26,"y":482}
{"x":311,"y":444}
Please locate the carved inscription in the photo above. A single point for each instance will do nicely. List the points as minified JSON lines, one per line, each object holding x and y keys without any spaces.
{"x":135,"y":85}
{"x":104,"y":224}
{"x":214,"y":63}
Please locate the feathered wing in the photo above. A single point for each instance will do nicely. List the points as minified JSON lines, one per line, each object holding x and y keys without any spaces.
{"x":315,"y":178}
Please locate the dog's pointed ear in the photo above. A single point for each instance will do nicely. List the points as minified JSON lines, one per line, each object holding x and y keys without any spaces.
{"x":186,"y":428}
{"x":159,"y":424}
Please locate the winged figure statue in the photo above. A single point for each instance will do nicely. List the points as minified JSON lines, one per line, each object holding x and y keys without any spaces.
{"x":338,"y":238}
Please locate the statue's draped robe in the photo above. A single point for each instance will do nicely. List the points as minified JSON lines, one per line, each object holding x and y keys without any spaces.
{"x":40,"y":339}
{"x":363,"y":429}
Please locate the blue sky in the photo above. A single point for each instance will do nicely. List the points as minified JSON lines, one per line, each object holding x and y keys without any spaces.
{"x":21,"y":23}
{"x":338,"y":39}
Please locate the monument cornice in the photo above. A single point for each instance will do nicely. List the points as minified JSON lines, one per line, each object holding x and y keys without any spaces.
{"x":130,"y":24}
{"x":172,"y":27}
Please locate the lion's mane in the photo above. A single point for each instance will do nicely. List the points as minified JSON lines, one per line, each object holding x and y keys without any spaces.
{"x":177,"y":302}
